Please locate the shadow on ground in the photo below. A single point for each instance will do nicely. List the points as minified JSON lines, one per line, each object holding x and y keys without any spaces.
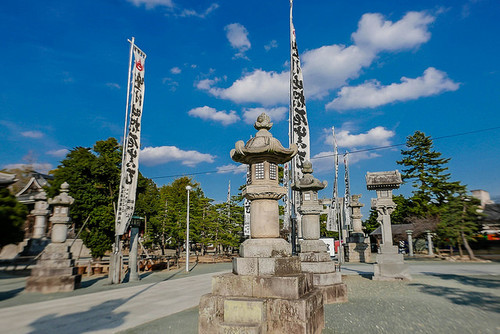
{"x":10,"y":294}
{"x":481,"y":300}
{"x":478,"y":282}
{"x":98,"y":317}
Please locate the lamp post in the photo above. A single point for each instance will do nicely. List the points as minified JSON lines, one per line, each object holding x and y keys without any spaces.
{"x":188,"y":188}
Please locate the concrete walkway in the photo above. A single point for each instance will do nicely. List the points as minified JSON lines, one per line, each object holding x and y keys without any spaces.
{"x":166,"y":302}
{"x":106,"y":311}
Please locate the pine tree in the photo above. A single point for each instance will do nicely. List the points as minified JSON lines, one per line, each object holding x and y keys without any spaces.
{"x":426,"y":170}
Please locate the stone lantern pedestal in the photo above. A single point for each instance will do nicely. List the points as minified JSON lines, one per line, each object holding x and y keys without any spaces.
{"x":358,"y":246}
{"x":267,"y":291}
{"x":390,"y":264}
{"x":55,"y":271}
{"x":314,"y":256}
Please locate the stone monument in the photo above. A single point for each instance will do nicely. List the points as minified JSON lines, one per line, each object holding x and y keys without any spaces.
{"x":313,"y":254}
{"x":55,"y":271}
{"x":409,"y":233}
{"x":390,"y":264}
{"x":267,"y":291}
{"x":358,"y":246}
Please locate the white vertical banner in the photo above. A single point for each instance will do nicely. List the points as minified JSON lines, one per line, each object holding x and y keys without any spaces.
{"x":246,"y":221}
{"x":130,"y":162}
{"x":286,"y":198}
{"x":299,"y":126}
{"x":347,"y":195}
{"x":333,"y":222}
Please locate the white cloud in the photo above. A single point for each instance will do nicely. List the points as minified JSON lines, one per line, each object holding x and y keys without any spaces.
{"x":58,"y":153}
{"x":209,"y":113}
{"x":277,"y":114}
{"x":32,"y":134}
{"x":230,"y":168}
{"x":191,"y":12}
{"x":267,"y":88}
{"x":237,"y":35}
{"x":113,"y":85}
{"x":375,"y":33}
{"x":330,"y":67}
{"x":378,"y":136}
{"x":153,"y":3}
{"x":206,"y":84}
{"x":152,"y":156}
{"x":175,"y":70}
{"x":271,"y":45}
{"x":39,"y":167}
{"x":372,"y":94}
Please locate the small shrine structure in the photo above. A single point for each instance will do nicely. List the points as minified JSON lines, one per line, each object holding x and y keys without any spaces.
{"x":358,"y":247}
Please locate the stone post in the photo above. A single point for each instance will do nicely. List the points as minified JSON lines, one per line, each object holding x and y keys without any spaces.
{"x":132,"y":256}
{"x":390,"y":265}
{"x":410,"y":242}
{"x":267,"y":291}
{"x":40,"y":212}
{"x":55,"y":270}
{"x":430,"y":245}
{"x":358,"y":247}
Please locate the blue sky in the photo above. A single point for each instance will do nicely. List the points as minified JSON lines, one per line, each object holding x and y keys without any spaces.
{"x":376,"y":70}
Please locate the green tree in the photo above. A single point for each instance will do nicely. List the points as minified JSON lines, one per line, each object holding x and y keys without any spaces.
{"x":425,"y":169}
{"x":371,"y":224}
{"x":460,"y":222}
{"x":12,"y":216}
{"x":94,"y":178}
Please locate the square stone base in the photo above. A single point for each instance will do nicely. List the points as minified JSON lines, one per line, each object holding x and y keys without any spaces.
{"x":54,"y":271}
{"x":276,"y":247}
{"x":51,"y":284}
{"x":261,"y":266}
{"x":333,"y":294}
{"x":224,"y":314}
{"x":390,"y":267}
{"x":358,"y":252}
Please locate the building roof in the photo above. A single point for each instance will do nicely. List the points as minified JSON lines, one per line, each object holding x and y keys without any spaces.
{"x":6,"y":179}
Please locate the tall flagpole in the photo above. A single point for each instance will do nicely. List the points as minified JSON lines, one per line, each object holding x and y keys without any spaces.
{"x":299,"y":127}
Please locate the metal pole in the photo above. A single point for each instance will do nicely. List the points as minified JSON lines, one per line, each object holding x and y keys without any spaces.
{"x":188,"y":188}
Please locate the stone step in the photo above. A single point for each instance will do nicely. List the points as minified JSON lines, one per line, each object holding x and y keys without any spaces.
{"x":44,"y":271}
{"x":51,"y":284}
{"x":289,"y":287}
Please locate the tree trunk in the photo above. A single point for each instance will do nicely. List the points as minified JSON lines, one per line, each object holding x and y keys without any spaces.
{"x":451,"y":250}
{"x":460,"y":250}
{"x":467,"y":247}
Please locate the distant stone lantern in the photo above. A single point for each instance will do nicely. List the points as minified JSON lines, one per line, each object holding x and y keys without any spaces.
{"x":60,"y":217}
{"x":310,"y":209}
{"x":55,"y":270}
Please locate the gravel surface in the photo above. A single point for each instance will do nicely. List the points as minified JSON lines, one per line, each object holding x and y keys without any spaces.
{"x":431,"y":303}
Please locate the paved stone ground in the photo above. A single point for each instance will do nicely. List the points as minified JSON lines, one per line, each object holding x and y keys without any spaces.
{"x":441,"y":298}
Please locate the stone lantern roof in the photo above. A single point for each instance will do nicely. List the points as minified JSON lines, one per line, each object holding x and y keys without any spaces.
{"x":63,"y":198}
{"x":308,"y":182}
{"x":262,"y":147}
{"x":383,"y":180}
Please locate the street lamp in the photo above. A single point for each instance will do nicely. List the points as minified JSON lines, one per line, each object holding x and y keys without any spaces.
{"x":188,"y":188}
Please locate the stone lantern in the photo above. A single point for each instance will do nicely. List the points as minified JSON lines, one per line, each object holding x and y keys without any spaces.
{"x":60,"y":217}
{"x":40,"y":212}
{"x":267,"y":291}
{"x":358,"y":247}
{"x":55,"y":270}
{"x":314,"y":254}
{"x":390,"y":265}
